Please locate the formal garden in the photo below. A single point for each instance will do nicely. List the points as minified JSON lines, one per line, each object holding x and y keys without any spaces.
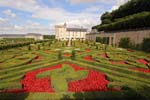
{"x":49,"y":69}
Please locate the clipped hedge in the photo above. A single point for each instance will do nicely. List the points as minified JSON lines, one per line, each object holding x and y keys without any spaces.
{"x":20,"y":44}
{"x":139,"y":20}
{"x":146,"y":45}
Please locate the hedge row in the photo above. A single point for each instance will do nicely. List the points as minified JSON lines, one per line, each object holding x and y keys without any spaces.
{"x":133,"y":21}
{"x":8,"y":46}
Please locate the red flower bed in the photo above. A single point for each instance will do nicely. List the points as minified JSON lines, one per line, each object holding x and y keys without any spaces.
{"x":95,"y":81}
{"x":67,"y":55}
{"x":88,"y":50}
{"x":142,"y":61}
{"x":46,"y":51}
{"x":141,"y":70}
{"x":76,"y":68}
{"x":129,"y":50}
{"x":38,"y":57}
{"x":89,"y":58}
{"x":33,"y":84}
{"x":121,"y":62}
{"x":105,"y":55}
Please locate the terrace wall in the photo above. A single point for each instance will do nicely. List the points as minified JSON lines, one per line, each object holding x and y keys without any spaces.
{"x":136,"y":36}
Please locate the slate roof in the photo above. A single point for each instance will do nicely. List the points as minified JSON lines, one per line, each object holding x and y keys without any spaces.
{"x":77,"y":29}
{"x":34,"y":34}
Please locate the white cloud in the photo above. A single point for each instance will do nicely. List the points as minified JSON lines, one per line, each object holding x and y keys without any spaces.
{"x":88,"y":1}
{"x":3,"y":20}
{"x":94,"y":9}
{"x":8,"y":12}
{"x":118,"y":4}
{"x":55,"y":15}
{"x":24,"y":5}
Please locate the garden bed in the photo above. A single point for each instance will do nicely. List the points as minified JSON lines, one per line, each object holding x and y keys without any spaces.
{"x":89,"y":58}
{"x":94,"y":81}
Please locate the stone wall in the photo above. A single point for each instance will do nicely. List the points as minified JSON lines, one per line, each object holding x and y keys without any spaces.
{"x":136,"y":36}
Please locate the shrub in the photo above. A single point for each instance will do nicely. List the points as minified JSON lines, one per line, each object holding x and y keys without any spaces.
{"x":38,"y":46}
{"x":146,"y":45}
{"x":138,"y":20}
{"x":29,"y":47}
{"x":125,"y":42}
{"x":103,"y":40}
{"x":73,"y":55}
{"x":59,"y":55}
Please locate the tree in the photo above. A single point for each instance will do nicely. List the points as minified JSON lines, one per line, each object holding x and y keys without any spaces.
{"x":146,"y":45}
{"x":73,"y":55}
{"x":106,"y":18}
{"x":59,"y":55}
{"x":125,"y":42}
{"x":39,"y":47}
{"x":131,"y":7}
{"x":29,"y":47}
{"x":49,"y":36}
{"x":133,"y":14}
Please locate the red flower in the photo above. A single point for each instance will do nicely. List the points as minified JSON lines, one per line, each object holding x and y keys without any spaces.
{"x":38,"y":57}
{"x":142,"y":61}
{"x":89,"y":58}
{"x":95,"y":81}
{"x":67,"y":55}
{"x":88,"y":50}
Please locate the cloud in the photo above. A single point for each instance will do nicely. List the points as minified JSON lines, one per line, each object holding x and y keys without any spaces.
{"x":94,"y":9}
{"x":55,"y":15}
{"x":87,"y":1}
{"x":28,"y":27}
{"x":23,"y":5}
{"x":8,"y":12}
{"x":118,"y":4}
{"x":3,"y":20}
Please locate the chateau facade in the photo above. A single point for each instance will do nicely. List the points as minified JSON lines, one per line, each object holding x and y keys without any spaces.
{"x":62,"y":32}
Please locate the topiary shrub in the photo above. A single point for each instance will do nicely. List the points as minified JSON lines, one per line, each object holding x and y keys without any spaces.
{"x":146,"y":45}
{"x":59,"y":55}
{"x":29,"y":48}
{"x":38,"y":46}
{"x":125,"y":42}
{"x":73,"y":55}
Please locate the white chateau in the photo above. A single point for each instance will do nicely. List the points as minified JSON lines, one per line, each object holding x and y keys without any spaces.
{"x":62,"y":32}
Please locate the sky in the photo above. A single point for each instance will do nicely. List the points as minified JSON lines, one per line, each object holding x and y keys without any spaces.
{"x":40,"y":16}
